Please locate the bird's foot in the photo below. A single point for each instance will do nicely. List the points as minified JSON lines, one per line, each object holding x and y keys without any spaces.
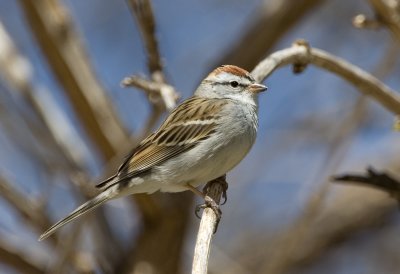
{"x":210,"y":203}
{"x":222,"y":181}
{"x":210,"y":193}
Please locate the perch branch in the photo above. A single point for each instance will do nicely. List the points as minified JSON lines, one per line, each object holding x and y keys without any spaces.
{"x":302,"y":54}
{"x":208,"y":224}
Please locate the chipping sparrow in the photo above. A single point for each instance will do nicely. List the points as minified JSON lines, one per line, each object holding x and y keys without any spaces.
{"x":202,"y":139}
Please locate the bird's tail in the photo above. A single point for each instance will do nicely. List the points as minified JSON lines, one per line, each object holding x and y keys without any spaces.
{"x":86,"y":207}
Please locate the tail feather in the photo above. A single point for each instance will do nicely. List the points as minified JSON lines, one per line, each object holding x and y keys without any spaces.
{"x":107,"y":183}
{"x":83,"y":209}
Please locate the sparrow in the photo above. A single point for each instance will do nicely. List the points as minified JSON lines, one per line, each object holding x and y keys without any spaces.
{"x":202,"y":139}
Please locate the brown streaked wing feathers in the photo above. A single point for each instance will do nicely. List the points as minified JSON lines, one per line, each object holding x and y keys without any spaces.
{"x":173,"y":137}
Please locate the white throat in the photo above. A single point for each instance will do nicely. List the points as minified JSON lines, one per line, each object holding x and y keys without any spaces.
{"x":244,"y":98}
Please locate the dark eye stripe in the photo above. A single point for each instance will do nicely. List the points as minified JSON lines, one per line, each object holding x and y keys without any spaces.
{"x":229,"y":83}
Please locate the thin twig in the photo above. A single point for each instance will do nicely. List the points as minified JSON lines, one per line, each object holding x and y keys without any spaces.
{"x":143,"y":12}
{"x":301,"y":53}
{"x":157,"y":88}
{"x":361,"y":21}
{"x":388,"y":14}
{"x":155,"y":91}
{"x":207,"y":228}
{"x":373,"y":178}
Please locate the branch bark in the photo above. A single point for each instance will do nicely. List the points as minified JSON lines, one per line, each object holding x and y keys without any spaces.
{"x":208,"y":225}
{"x":157,"y":92}
{"x":300,"y":54}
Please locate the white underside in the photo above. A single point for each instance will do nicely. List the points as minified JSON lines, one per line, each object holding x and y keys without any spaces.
{"x":210,"y":159}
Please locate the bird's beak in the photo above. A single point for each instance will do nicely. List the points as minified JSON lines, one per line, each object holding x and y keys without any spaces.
{"x":257,"y":88}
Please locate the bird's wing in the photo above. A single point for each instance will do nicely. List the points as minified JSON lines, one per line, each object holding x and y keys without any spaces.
{"x":191,"y":122}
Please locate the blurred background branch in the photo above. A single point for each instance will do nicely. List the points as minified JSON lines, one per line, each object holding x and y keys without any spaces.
{"x":20,"y":262}
{"x":303,"y":54}
{"x":379,"y":180}
{"x":274,"y":19}
{"x":60,"y":43}
{"x":388,"y":13}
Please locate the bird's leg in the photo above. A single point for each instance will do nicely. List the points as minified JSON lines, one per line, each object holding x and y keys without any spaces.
{"x":205,"y":198}
{"x":196,"y":191}
{"x":208,"y":202}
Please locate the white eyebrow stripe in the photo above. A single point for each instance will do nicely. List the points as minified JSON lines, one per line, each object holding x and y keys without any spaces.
{"x":227,"y":77}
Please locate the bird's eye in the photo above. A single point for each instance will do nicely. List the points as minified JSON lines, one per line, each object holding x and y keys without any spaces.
{"x":234,"y":84}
